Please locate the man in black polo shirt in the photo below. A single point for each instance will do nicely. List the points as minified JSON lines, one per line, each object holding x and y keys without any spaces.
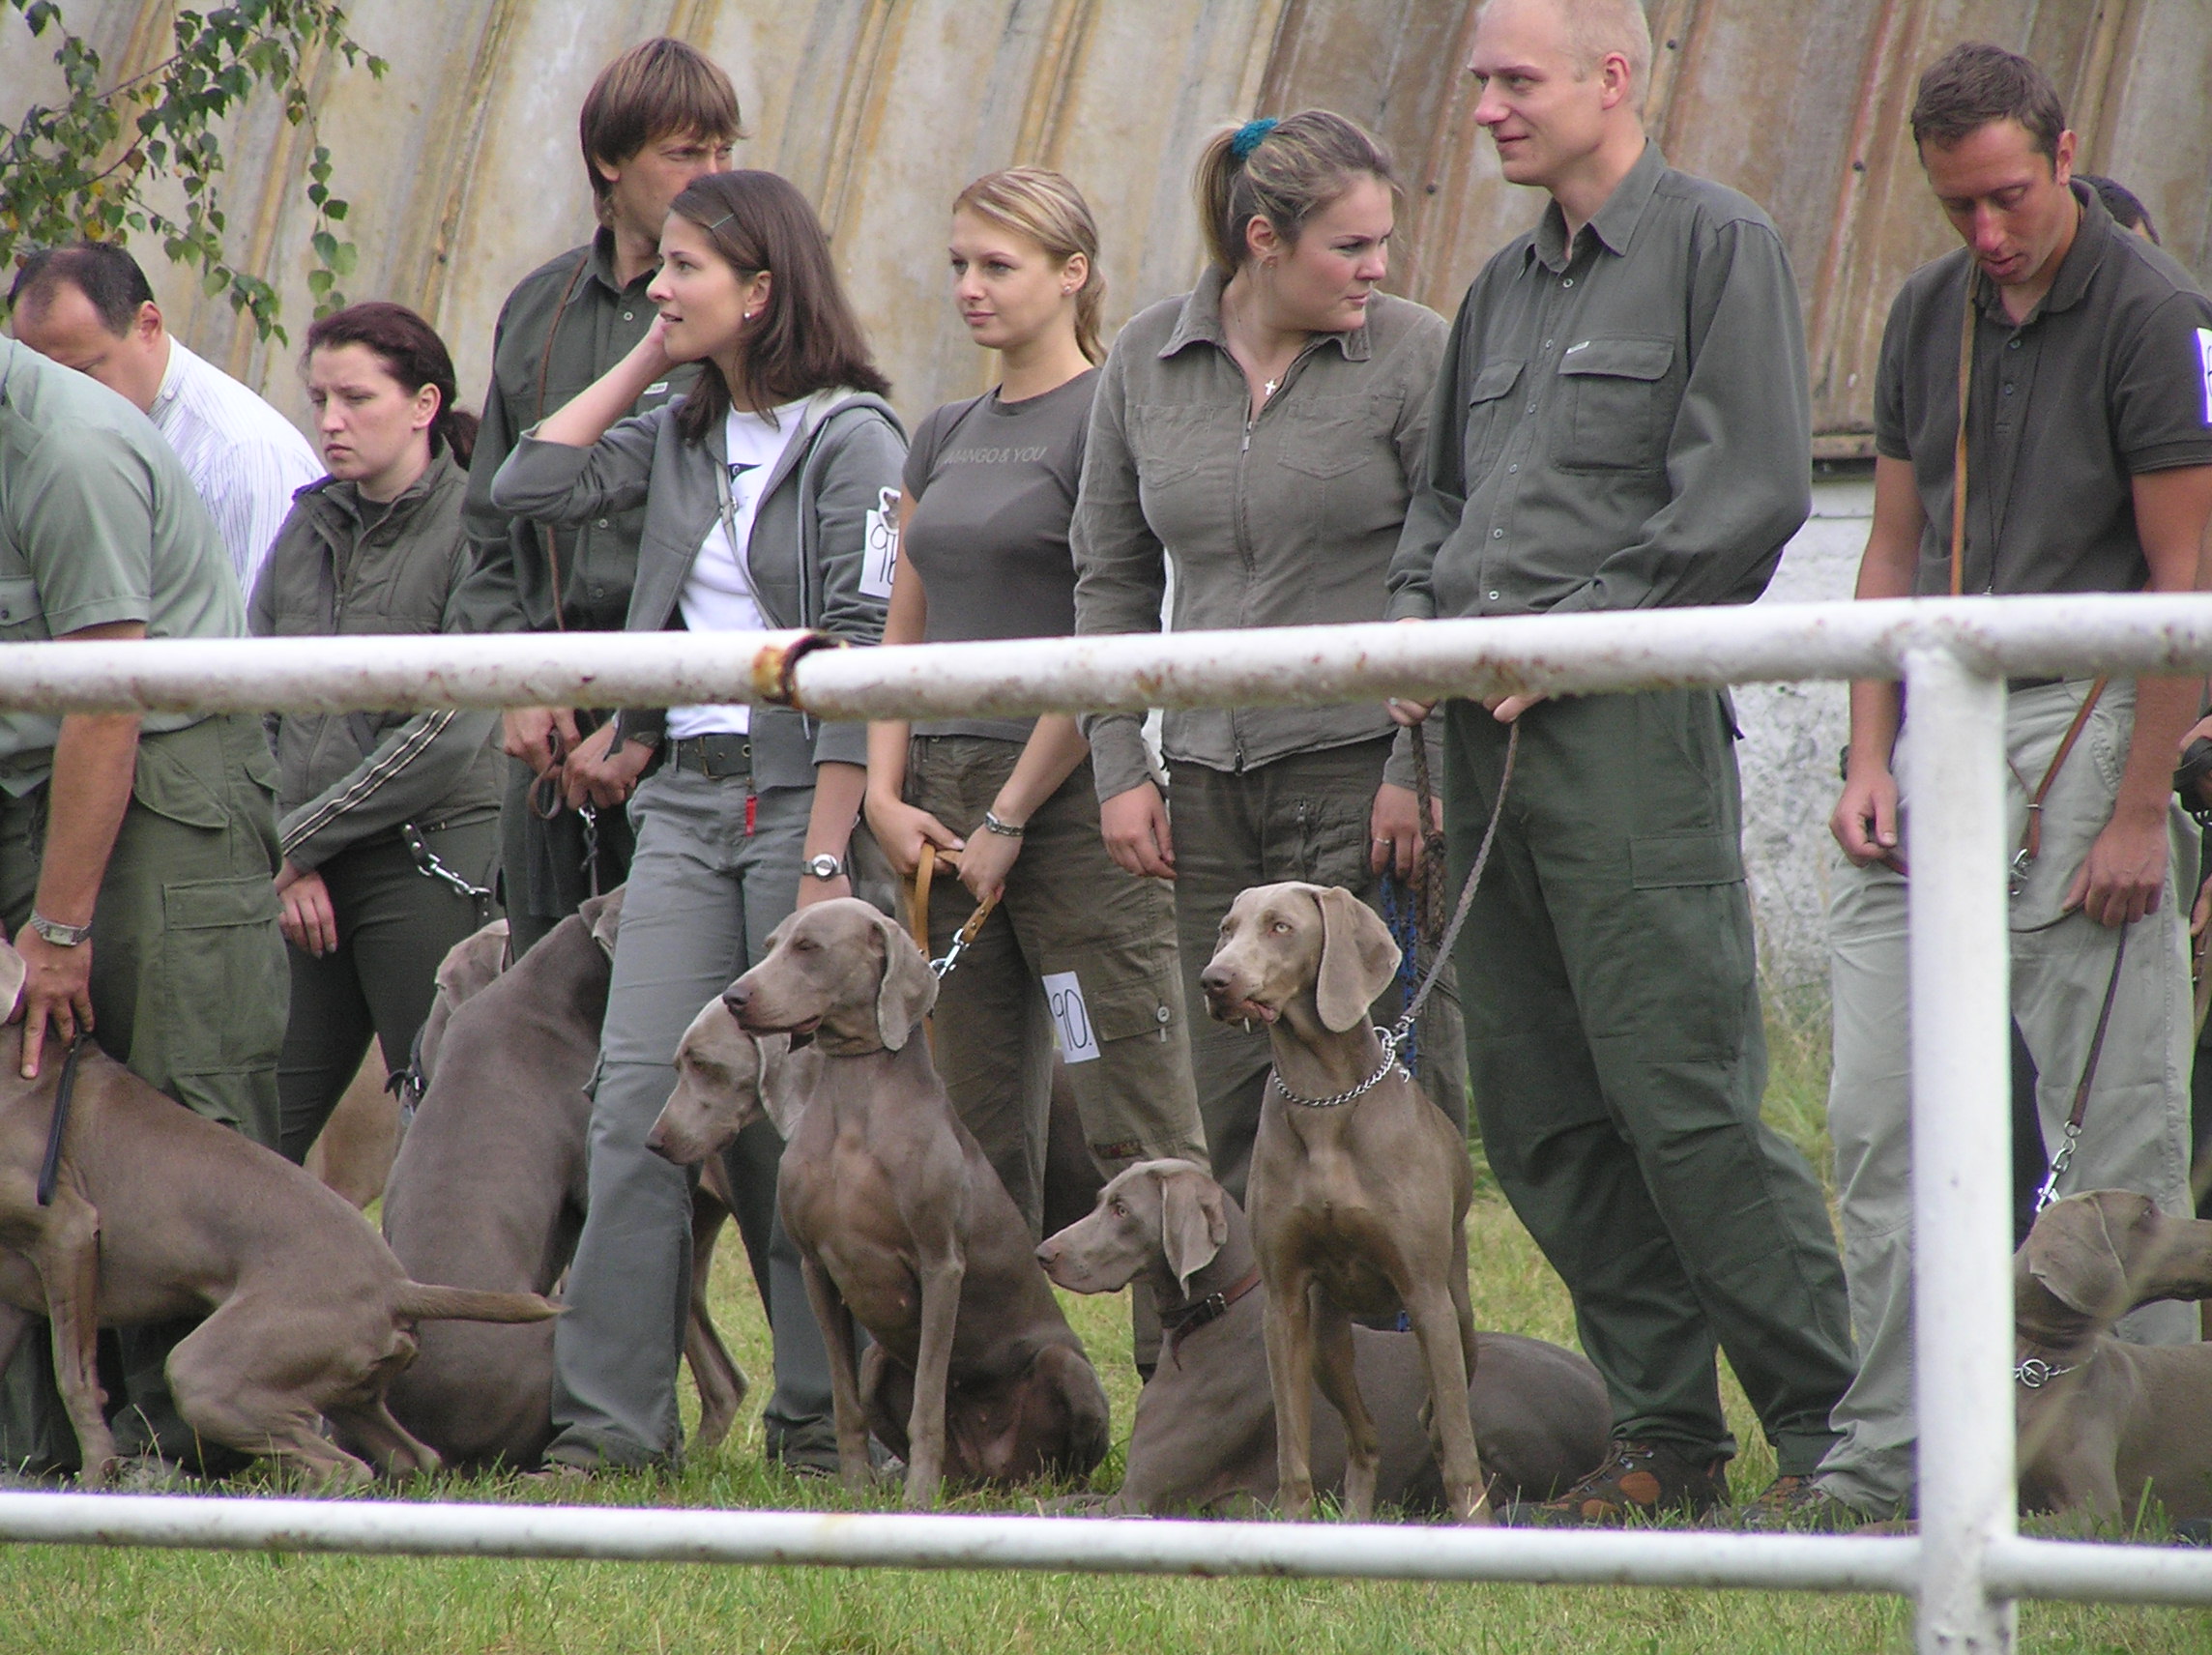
{"x":2089,"y":469}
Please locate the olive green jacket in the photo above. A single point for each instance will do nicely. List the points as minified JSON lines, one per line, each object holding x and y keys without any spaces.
{"x":341,"y":565}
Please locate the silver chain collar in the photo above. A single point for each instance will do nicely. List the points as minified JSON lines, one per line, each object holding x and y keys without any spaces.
{"x":2035,"y":1373}
{"x":1389,"y":1040}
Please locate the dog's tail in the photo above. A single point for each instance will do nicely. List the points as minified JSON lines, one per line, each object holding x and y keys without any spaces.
{"x":423,"y":1301}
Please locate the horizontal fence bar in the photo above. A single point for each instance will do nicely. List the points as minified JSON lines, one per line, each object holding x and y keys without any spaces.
{"x":2081,"y":1573}
{"x":1261,"y":667}
{"x":1066,"y":1543}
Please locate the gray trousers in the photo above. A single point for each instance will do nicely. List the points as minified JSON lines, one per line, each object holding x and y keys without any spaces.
{"x":704,"y":895}
{"x":2135,"y":1132}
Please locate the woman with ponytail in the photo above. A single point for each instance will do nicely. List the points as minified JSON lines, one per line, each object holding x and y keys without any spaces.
{"x":1262,"y":434}
{"x":989,"y":488}
{"x":388,"y":822}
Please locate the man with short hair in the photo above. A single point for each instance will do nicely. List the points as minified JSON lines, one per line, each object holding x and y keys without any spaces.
{"x":657,"y":117}
{"x":1621,"y":421}
{"x":88,"y":306}
{"x":137,"y":853}
{"x":2089,"y":469}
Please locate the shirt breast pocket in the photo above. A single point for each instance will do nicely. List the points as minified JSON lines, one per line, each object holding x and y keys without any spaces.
{"x":1489,"y":417}
{"x":1613,"y":402}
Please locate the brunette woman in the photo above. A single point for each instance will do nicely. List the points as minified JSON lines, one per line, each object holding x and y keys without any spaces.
{"x":1261,"y":433}
{"x":990,"y":485}
{"x":764,"y":489}
{"x":388,"y":822}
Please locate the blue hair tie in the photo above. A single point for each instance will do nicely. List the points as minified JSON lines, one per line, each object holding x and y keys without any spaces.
{"x":1248,"y":136}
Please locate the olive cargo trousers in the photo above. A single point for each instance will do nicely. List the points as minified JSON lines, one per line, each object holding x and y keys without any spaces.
{"x":188,"y":991}
{"x":1617,"y":1058}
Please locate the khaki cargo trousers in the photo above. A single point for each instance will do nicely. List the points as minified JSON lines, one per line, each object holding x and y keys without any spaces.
{"x":188,"y":991}
{"x":2135,"y":1132}
{"x":1617,"y":1056}
{"x":1068,"y":912}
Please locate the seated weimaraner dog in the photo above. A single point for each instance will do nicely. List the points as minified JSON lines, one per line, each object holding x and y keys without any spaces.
{"x":158,"y":1213}
{"x":2104,"y":1423}
{"x":902,"y":1226}
{"x":488,"y":1189}
{"x":1204,"y":1437}
{"x":1358,"y":1188}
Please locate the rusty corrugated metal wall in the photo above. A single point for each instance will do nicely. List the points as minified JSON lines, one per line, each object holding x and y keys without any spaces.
{"x":463,"y":171}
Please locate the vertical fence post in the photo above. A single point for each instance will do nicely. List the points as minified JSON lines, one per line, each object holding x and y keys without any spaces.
{"x":1962,"y":1123}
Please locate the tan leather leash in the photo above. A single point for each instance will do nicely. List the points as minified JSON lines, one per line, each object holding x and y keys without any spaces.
{"x":2060,"y":1162}
{"x":2032,"y":836}
{"x":918,"y":915}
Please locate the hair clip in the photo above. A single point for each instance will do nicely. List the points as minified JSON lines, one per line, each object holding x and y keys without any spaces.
{"x":1247,"y":137}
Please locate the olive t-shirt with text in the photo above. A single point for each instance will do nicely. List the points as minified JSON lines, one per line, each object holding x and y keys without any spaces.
{"x":993,"y":485}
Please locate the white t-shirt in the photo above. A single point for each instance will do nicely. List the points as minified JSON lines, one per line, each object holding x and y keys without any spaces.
{"x":718,"y":594}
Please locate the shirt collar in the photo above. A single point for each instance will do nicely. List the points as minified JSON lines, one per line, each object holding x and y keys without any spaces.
{"x":1200,"y":321}
{"x":603,"y":263}
{"x":1614,"y":224}
{"x":172,"y":376}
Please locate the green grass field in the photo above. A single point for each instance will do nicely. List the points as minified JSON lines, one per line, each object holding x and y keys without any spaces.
{"x":89,"y":1602}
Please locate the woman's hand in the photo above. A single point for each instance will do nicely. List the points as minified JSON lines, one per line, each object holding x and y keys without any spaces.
{"x":902,"y":829}
{"x":590,"y":777}
{"x":1394,"y":826}
{"x":308,"y":920}
{"x":1134,"y":823}
{"x":986,"y":861}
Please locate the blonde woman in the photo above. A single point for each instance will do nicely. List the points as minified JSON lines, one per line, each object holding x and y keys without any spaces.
{"x":990,"y":486}
{"x":1262,"y":434}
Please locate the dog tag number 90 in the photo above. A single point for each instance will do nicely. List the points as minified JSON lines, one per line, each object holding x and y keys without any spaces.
{"x":1071,"y":1016}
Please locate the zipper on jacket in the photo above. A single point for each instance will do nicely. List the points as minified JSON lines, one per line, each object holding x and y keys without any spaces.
{"x":1238,"y":497}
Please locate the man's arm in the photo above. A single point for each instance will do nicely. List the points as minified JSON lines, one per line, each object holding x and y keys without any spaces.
{"x":1865,"y":819}
{"x":95,"y":759}
{"x":1438,"y":497}
{"x":2125,"y":872}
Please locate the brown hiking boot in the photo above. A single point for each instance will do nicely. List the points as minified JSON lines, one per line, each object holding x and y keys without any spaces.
{"x":1638,"y":1482}
{"x":1799,"y":1506}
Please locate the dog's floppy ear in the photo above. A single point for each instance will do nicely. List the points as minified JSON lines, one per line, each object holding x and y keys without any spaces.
{"x":1357,"y":958}
{"x":603,"y":914}
{"x":1193,"y":1224}
{"x":2071,"y":1253}
{"x":12,"y":972}
{"x":909,"y":989}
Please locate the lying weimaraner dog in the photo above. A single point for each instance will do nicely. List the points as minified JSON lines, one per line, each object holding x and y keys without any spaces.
{"x":2102,"y":1422}
{"x":488,"y":1190}
{"x":902,"y":1225}
{"x":1204,"y":1437}
{"x":158,"y":1213}
{"x":1358,"y":1188}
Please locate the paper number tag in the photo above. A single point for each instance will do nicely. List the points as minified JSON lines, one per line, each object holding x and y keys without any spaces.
{"x":1071,"y":1016}
{"x":879,"y":559}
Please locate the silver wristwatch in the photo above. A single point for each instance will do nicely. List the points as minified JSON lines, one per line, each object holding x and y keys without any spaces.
{"x":822,"y":867}
{"x":55,"y":932}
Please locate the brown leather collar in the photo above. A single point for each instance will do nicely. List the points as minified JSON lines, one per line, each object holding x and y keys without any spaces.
{"x":1211,"y":1308}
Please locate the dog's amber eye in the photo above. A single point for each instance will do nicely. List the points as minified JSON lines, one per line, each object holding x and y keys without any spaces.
{"x":1280,"y":925}
{"x":1119,"y":1210}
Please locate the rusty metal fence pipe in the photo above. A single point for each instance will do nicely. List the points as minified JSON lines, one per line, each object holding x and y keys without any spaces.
{"x":1268,"y":667}
{"x":1100,"y":1546}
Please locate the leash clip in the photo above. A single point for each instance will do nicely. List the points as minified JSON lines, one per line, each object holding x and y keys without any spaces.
{"x":2017,"y":870}
{"x":2035,"y":1373}
{"x":2060,"y":1162}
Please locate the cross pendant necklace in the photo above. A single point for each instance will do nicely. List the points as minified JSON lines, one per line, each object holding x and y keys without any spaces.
{"x":1268,"y":390}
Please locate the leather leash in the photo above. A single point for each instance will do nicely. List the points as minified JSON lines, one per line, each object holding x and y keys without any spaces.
{"x":49,"y":1168}
{"x":2032,"y":836}
{"x":2060,"y":1162}
{"x":918,"y":915}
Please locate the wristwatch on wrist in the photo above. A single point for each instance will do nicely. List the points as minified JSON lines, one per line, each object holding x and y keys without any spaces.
{"x":59,"y":935}
{"x":822,"y":867}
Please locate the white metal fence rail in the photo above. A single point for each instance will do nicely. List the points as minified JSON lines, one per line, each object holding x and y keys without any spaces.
{"x":1967,"y":1564}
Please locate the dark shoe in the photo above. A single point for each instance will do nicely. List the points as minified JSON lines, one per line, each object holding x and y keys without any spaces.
{"x":1638,"y":1482}
{"x":1794,"y":1505}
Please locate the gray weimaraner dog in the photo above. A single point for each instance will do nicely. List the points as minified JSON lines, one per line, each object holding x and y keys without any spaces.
{"x":902,"y":1226}
{"x":1204,"y":1437}
{"x":158,"y":1213}
{"x":488,"y":1190}
{"x":1358,"y":1189}
{"x":2104,"y":1423}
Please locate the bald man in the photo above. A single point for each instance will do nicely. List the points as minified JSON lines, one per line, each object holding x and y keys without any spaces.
{"x":1622,"y":422}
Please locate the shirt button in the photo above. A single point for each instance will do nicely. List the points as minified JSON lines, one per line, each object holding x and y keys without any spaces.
{"x":1498,"y":533}
{"x":1546,"y":344}
{"x":629,"y":315}
{"x":603,"y":523}
{"x":1513,"y":467}
{"x":2008,"y":389}
{"x":2012,"y":344}
{"x":1160,"y":1013}
{"x":1531,"y":408}
{"x":1568,"y":283}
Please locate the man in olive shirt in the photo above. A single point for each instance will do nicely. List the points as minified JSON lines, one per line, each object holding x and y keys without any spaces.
{"x":657,"y":117}
{"x":2089,"y":469}
{"x":137,"y":853}
{"x":1621,"y":421}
